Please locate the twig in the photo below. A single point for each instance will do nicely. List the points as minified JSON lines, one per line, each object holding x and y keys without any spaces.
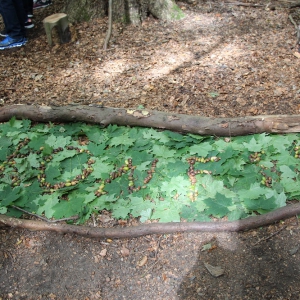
{"x":108,"y":33}
{"x":244,"y":4}
{"x":293,"y":21}
{"x":44,"y":219}
{"x":148,"y":268}
{"x":297,"y":27}
{"x":157,"y":248}
{"x":270,"y":236}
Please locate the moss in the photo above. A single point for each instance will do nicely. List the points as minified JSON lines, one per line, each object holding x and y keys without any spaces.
{"x":177,"y":13}
{"x":82,"y":14}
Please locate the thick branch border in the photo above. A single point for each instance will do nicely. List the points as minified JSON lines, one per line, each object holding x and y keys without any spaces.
{"x":104,"y":116}
{"x":156,"y":228}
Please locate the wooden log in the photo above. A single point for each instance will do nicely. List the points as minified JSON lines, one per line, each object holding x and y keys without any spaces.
{"x":104,"y":116}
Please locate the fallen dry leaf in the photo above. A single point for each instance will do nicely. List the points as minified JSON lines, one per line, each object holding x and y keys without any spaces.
{"x":214,"y":271}
{"x":297,"y":54}
{"x":143,"y":261}
{"x":125,"y":252}
{"x":103,"y":252}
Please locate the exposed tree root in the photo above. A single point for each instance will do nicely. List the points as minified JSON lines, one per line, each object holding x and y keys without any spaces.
{"x":176,"y":122}
{"x":156,"y":228}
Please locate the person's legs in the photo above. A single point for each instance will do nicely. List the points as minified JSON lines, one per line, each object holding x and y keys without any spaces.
{"x":14,"y":17}
{"x":28,"y":4}
{"x":30,"y":8}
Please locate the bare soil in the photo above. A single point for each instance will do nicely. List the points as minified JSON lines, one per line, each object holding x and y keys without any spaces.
{"x":221,"y":60}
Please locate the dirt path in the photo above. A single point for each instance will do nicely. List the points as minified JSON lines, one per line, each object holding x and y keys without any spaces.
{"x":256,"y":265}
{"x":221,"y":60}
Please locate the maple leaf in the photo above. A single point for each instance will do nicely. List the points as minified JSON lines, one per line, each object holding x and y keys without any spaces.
{"x":57,"y":141}
{"x":121,"y":140}
{"x":253,"y":145}
{"x":218,"y":206}
{"x":46,"y":204}
{"x":162,"y":151}
{"x":201,"y":149}
{"x":65,"y":209}
{"x":166,"y":212}
{"x":176,"y":184}
{"x":8,"y":195}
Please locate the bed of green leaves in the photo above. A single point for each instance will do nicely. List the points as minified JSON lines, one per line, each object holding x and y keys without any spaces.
{"x":63,"y":170}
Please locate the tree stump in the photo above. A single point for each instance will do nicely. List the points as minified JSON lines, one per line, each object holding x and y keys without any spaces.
{"x":60,"y":20}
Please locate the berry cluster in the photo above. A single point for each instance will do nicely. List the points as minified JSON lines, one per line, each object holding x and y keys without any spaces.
{"x":127,"y":167}
{"x":266,"y":180}
{"x":297,"y":151}
{"x":256,"y":157}
{"x":70,"y":182}
{"x":192,"y":172}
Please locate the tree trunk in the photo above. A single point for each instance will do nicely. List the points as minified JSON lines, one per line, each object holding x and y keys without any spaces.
{"x":132,"y":117}
{"x":85,"y":10}
{"x":125,"y":11}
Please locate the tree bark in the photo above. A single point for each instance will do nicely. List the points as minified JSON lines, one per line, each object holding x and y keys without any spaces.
{"x":125,"y":11}
{"x":156,"y":228}
{"x":104,"y":116}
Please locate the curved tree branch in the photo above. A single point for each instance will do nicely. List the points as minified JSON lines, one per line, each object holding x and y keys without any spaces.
{"x":156,"y":228}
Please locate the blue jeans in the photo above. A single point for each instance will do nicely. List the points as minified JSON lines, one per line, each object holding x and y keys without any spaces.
{"x":14,"y":17}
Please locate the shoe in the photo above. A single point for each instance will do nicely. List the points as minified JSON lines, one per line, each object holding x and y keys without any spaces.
{"x":3,"y":33}
{"x":8,"y":43}
{"x":30,"y":15}
{"x":41,"y":3}
{"x":28,"y":24}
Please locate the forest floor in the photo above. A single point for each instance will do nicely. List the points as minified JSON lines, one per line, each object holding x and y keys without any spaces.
{"x":221,"y":60}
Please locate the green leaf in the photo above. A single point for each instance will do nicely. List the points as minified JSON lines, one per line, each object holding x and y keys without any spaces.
{"x":3,"y":210}
{"x":51,"y":173}
{"x":8,"y":195}
{"x":191,"y":213}
{"x":218,"y":206}
{"x":146,"y":215}
{"x":166,"y":212}
{"x":124,"y":140}
{"x":253,"y":145}
{"x":162,"y":151}
{"x":254,"y":192}
{"x":96,"y":149}
{"x":138,"y":204}
{"x":287,"y":172}
{"x":122,"y":209}
{"x":74,"y":162}
{"x":32,"y":159}
{"x":175,"y":185}
{"x":66,"y":209}
{"x":46,"y":204}
{"x":57,"y":141}
{"x":201,"y":150}
{"x":237,"y":214}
